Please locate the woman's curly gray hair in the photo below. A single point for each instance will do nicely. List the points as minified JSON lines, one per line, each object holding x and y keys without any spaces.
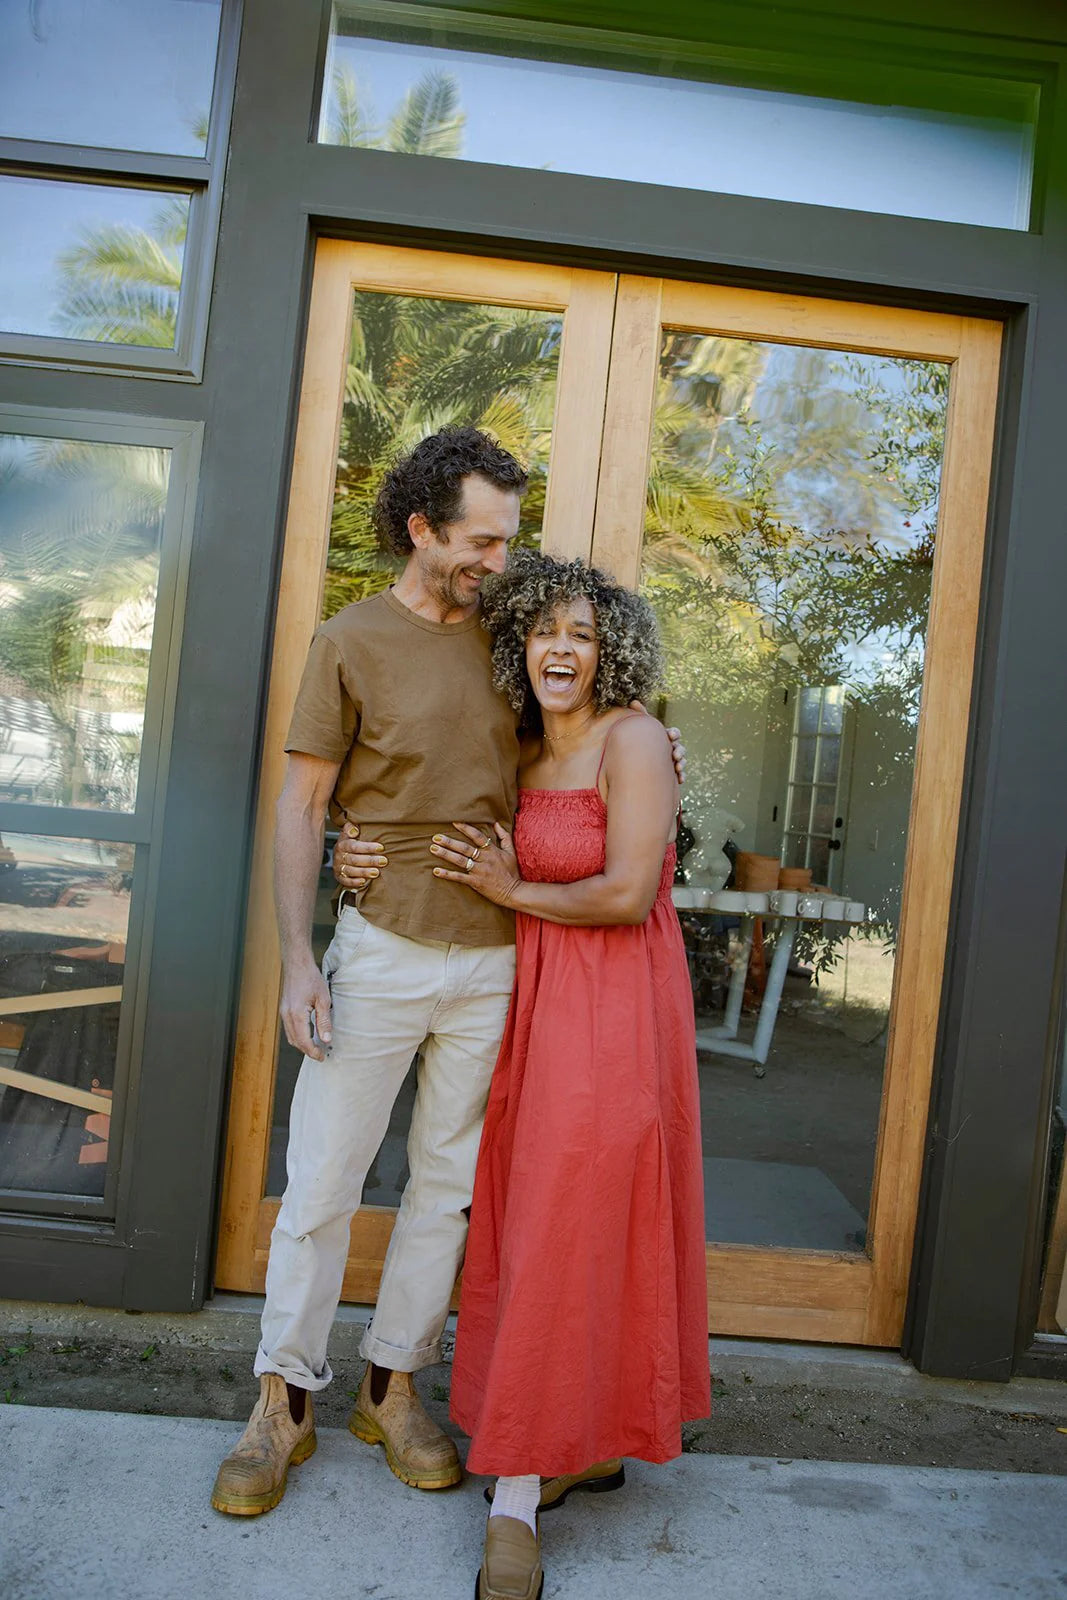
{"x":532,"y":587}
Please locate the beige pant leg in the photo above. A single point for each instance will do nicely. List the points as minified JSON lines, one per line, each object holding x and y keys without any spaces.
{"x":385,"y":991}
{"x":426,"y":1249}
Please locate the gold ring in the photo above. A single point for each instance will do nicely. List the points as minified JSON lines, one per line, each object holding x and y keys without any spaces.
{"x":477,"y":852}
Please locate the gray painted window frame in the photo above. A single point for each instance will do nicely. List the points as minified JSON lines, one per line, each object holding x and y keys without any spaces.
{"x":201,"y":178}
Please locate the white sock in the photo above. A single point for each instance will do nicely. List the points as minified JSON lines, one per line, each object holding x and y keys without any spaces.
{"x":518,"y":1497}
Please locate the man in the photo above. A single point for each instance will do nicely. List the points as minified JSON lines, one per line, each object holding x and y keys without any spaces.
{"x":396,"y":723}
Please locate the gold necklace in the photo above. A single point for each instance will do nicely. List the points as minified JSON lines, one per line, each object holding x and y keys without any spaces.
{"x":556,"y":738}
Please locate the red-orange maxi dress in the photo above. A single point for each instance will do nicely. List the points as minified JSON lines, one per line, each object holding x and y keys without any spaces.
{"x":583,"y":1330}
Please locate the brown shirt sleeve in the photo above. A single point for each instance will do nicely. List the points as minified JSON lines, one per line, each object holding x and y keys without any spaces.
{"x":325,"y":719}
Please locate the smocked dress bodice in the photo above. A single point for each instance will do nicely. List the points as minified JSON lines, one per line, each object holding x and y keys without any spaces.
{"x":561,"y":836}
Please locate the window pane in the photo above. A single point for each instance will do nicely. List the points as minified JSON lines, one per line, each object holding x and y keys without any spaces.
{"x":833,"y":707}
{"x":795,"y":850}
{"x":805,"y":761}
{"x":417,"y":364}
{"x":819,"y":862}
{"x":64,"y":910}
{"x":809,"y":703}
{"x":829,"y":759}
{"x":822,"y":817}
{"x":83,"y":261}
{"x":125,"y":74}
{"x":80,"y":530}
{"x":426,"y":99}
{"x":789,"y":544}
{"x":798,"y":816}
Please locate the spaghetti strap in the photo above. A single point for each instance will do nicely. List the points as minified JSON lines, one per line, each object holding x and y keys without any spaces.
{"x":607,"y":741}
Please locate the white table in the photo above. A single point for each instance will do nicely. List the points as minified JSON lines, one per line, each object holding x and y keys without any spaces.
{"x":723,"y":1040}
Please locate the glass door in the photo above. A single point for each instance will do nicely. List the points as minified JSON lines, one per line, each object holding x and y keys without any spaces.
{"x":799,"y":487}
{"x":400,"y":342}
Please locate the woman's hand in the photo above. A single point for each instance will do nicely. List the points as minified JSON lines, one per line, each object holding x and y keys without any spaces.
{"x":356,"y":861}
{"x":488,"y":865}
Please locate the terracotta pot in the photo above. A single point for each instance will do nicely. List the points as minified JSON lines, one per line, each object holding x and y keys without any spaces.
{"x":756,"y":874}
{"x":794,"y":878}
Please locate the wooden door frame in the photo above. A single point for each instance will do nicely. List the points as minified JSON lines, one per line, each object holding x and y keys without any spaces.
{"x":605,"y":398}
{"x":807,"y":1294}
{"x":587,"y":300}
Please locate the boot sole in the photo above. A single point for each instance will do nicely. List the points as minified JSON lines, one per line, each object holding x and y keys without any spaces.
{"x":478,"y":1595}
{"x":370,"y":1433}
{"x":254,"y":1505}
{"x":615,"y":1480}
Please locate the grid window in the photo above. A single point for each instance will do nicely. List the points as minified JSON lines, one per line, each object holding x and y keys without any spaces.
{"x":113,"y":125}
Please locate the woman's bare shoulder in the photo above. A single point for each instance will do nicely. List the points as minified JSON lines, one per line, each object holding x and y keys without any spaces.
{"x":634,"y":736}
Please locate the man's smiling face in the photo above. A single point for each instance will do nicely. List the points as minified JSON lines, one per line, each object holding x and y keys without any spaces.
{"x":453,"y":561}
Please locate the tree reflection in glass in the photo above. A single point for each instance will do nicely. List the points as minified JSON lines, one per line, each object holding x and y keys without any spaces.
{"x":91,"y":261}
{"x":80,"y":529}
{"x":789,"y":543}
{"x":416,"y":365}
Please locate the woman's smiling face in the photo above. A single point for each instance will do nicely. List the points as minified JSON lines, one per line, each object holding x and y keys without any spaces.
{"x":562,"y":656}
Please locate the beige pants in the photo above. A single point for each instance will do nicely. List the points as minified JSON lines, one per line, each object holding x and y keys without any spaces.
{"x":392,"y":996}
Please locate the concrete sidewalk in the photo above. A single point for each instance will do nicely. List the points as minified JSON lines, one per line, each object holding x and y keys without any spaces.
{"x":101,"y":1506}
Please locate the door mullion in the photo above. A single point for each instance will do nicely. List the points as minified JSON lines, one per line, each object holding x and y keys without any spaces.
{"x":635,"y":351}
{"x":578,"y":427}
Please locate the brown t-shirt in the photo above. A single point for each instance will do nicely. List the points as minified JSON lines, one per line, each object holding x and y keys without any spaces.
{"x":408,"y":708}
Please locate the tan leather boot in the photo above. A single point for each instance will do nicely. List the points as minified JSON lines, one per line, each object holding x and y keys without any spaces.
{"x":415,"y":1448}
{"x":253,"y":1476}
{"x":511,"y":1566}
{"x":598,"y":1479}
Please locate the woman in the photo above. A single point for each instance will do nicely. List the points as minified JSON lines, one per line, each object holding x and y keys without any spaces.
{"x":582,"y":1332}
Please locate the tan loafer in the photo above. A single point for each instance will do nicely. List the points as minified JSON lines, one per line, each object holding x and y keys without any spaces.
{"x":511,"y":1565}
{"x":253,"y":1476}
{"x":598,"y":1479}
{"x":416,"y":1449}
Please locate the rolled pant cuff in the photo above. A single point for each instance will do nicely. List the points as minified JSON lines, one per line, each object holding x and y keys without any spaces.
{"x":301,"y":1377}
{"x":395,"y":1357}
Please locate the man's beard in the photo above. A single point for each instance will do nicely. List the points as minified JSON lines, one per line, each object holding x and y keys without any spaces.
{"x":444,"y":583}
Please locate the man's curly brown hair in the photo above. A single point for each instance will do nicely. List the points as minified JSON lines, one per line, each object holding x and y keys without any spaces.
{"x":532,"y":587}
{"x":429,"y":480}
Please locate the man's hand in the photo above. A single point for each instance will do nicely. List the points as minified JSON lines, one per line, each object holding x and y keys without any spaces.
{"x":356,"y":861}
{"x":305,"y":1011}
{"x":677,"y":747}
{"x":305,"y":1002}
{"x":677,"y":753}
